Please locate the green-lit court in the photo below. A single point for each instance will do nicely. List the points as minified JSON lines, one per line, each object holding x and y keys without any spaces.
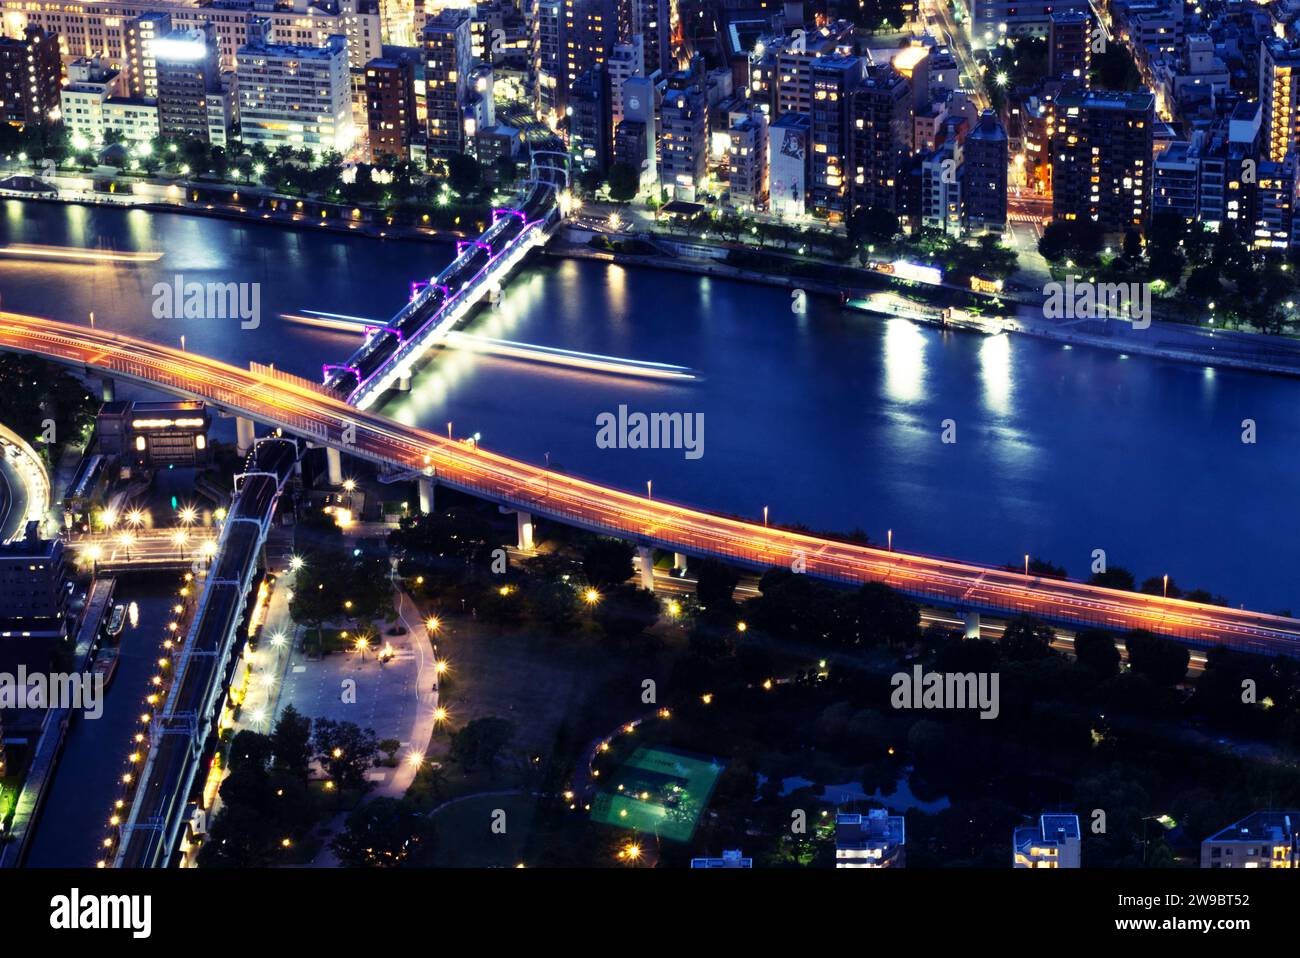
{"x":659,"y":791}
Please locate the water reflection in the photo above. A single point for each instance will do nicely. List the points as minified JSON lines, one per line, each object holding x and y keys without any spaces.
{"x":904,"y":360}
{"x":995,"y":373}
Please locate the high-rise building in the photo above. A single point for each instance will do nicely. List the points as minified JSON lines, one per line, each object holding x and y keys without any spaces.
{"x":788,"y":148}
{"x":794,"y":58}
{"x":833,"y":78}
{"x":684,"y":142}
{"x":92,"y":107}
{"x":1177,"y":175}
{"x":984,"y":176}
{"x":747,"y":161}
{"x":591,"y":136}
{"x":1069,"y":44}
{"x":93,"y":28}
{"x":139,"y":68}
{"x":188,"y":74}
{"x":624,"y":63}
{"x":447,"y":64}
{"x":881,"y":132}
{"x":1102,"y":158}
{"x":874,"y":840}
{"x":650,"y":20}
{"x":30,"y":72}
{"x":1268,"y":839}
{"x":33,"y":586}
{"x":1279,"y":93}
{"x":295,"y":96}
{"x":634,"y":140}
{"x":391,"y":118}
{"x":589,"y":30}
{"x":991,"y":20}
{"x":1276,"y":195}
{"x":1053,"y":842}
{"x":548,"y":23}
{"x":940,"y":201}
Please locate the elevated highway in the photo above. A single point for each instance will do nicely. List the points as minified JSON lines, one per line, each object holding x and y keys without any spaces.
{"x":307,"y":410}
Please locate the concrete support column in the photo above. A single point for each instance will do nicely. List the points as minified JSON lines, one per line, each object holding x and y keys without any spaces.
{"x":679,"y":562}
{"x":426,"y":494}
{"x":334,"y":465}
{"x":524,"y":526}
{"x":972,"y":622}
{"x":647,"y":556}
{"x":404,"y":382}
{"x":244,"y":434}
{"x":108,"y":389}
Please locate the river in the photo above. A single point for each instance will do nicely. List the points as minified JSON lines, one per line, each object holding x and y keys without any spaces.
{"x":829,"y":418}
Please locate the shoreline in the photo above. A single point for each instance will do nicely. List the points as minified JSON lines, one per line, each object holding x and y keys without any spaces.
{"x":1128,"y":343}
{"x":1181,"y":347}
{"x":296,"y":221}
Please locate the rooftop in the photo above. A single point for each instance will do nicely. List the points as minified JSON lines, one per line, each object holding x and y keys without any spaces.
{"x":1282,"y":825}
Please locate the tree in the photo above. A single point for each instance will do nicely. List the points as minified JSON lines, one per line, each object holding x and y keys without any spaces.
{"x":33,"y":390}
{"x":1095,"y":650}
{"x":317,"y":596}
{"x":1203,"y":283}
{"x":506,"y":170}
{"x":1045,"y":569}
{"x":249,"y":750}
{"x":624,"y":181}
{"x":607,"y":562}
{"x":1026,"y":638}
{"x":873,"y":14}
{"x":554,"y":605}
{"x":1132,"y":244}
{"x":1159,"y":585}
{"x":715,"y":584}
{"x":291,"y":743}
{"x":1116,"y":577}
{"x":882,"y":616}
{"x":626,"y":611}
{"x":456,"y":534}
{"x":346,"y":752}
{"x":1113,"y":69}
{"x":481,"y":742}
{"x":384,"y":833}
{"x":1161,"y":660}
{"x":872,"y":224}
{"x":1079,"y":240}
{"x":463,"y":173}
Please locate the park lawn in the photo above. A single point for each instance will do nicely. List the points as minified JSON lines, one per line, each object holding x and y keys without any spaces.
{"x":465,"y":835}
{"x":325,"y":641}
